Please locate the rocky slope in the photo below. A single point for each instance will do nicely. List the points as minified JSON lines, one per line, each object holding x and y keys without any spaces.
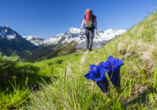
{"x":11,"y":41}
{"x":34,"y":40}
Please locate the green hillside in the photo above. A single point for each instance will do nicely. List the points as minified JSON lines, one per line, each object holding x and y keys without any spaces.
{"x":50,"y":51}
{"x":59,"y":83}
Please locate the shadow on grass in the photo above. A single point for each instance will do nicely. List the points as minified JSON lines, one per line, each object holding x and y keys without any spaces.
{"x":142,"y":98}
{"x":21,"y":78}
{"x":59,"y":61}
{"x":16,"y":82}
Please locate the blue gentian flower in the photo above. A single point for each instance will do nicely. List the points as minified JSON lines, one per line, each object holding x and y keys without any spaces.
{"x":105,"y":50}
{"x":96,"y":51}
{"x":112,"y":66}
{"x":97,"y":74}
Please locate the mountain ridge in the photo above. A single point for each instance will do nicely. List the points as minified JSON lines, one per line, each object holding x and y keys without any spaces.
{"x":11,"y":41}
{"x":73,"y":35}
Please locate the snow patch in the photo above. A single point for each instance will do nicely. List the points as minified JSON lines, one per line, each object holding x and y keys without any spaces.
{"x":34,"y":40}
{"x":11,"y":36}
{"x":6,"y":30}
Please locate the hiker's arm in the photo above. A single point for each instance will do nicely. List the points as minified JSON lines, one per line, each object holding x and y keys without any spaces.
{"x":81,"y":26}
{"x":95,"y":26}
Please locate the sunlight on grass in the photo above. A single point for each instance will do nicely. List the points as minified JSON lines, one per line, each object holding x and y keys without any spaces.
{"x":59,"y":83}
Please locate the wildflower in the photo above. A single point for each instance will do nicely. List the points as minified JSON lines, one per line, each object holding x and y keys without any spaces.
{"x":105,"y":50}
{"x":112,"y":66}
{"x":96,"y":51}
{"x":97,"y":74}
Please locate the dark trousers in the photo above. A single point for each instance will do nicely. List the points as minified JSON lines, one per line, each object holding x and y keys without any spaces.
{"x":89,"y":35}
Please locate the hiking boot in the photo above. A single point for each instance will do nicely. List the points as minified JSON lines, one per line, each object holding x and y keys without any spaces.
{"x":89,"y":51}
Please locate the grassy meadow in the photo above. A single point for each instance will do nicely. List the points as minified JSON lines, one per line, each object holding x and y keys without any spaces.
{"x":59,"y":83}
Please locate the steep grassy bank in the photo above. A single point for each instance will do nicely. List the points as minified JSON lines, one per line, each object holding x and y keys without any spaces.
{"x":138,"y":80}
{"x":68,"y":88}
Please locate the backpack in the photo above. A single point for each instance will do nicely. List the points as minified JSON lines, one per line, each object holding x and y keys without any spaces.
{"x":89,"y":20}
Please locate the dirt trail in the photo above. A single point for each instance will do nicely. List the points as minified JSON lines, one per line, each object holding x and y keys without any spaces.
{"x":69,"y":71}
{"x":82,"y":60}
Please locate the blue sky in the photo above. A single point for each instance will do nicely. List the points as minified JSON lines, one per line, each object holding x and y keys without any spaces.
{"x":47,"y":18}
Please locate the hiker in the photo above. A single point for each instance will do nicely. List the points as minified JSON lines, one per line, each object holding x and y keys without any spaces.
{"x":89,"y":21}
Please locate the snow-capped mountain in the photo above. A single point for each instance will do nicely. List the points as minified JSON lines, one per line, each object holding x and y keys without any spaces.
{"x":73,"y":35}
{"x":7,"y":34}
{"x":11,"y":41}
{"x":34,"y":40}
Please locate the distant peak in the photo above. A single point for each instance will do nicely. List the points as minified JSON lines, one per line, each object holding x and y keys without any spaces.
{"x":4,"y":26}
{"x":59,"y":34}
{"x":100,"y":30}
{"x":109,"y":29}
{"x":73,"y":28}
